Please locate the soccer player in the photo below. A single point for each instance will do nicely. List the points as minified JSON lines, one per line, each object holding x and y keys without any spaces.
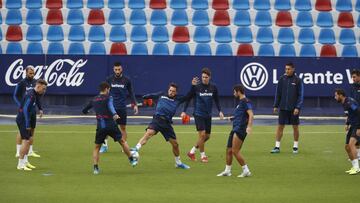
{"x":288,"y":102}
{"x":21,"y":89}
{"x":355,"y":94}
{"x":351,"y":109}
{"x":242,"y":126}
{"x":204,"y":93}
{"x":26,"y":122}
{"x":120,"y":87}
{"x":106,"y":125}
{"x":162,"y":120}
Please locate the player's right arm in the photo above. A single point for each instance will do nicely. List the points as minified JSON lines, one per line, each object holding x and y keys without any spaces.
{"x":155,"y":95}
{"x":278,"y":95}
{"x":18,"y":93}
{"x":87,"y":107}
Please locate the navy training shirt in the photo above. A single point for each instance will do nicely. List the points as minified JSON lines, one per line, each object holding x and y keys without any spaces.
{"x":240,"y":115}
{"x":24,"y":86}
{"x":289,"y":93}
{"x":27,"y":107}
{"x":351,"y":109}
{"x":355,"y":92}
{"x":120,"y":88}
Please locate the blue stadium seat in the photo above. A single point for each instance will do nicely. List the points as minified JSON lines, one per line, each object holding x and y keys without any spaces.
{"x":202,"y":50}
{"x":266,"y":50}
{"x":97,"y":48}
{"x":358,"y":21}
{"x":161,"y":49}
{"x":116,"y":4}
{"x":286,"y":36}
{"x":97,"y":34}
{"x":262,"y":4}
{"x":34,"y":48}
{"x":265,"y":36}
{"x":136,"y":4}
{"x":344,"y":5}
{"x":349,"y":51}
{"x":0,"y":50}
{"x":76,"y":49}
{"x":33,"y":4}
{"x":138,"y":34}
{"x":95,"y":4}
{"x":55,"y":33}
{"x":75,"y":17}
{"x":158,"y":17}
{"x":181,"y":49}
{"x":347,"y":37}
{"x":223,"y":35}
{"x":223,"y":50}
{"x":139,"y":49}
{"x":76,"y":33}
{"x":34,"y":17}
{"x":55,"y":48}
{"x":13,"y":4}
{"x":327,"y":36}
{"x":137,"y":17}
{"x":303,"y":5}
{"x":13,"y":17}
{"x":178,"y":4}
{"x":179,"y":18}
{"x":0,"y":34}
{"x":263,"y":19}
{"x":117,"y":34}
{"x":34,"y":33}
{"x":282,"y":5}
{"x":241,"y":5}
{"x":244,"y":35}
{"x":304,"y":19}
{"x":160,"y":34}
{"x":74,"y":4}
{"x":116,"y":17}
{"x":307,"y":50}
{"x":0,"y":18}
{"x":306,"y":36}
{"x":14,"y":48}
{"x":357,"y":6}
{"x":325,"y":19}
{"x":287,"y":50}
{"x":199,"y":4}
{"x":200,"y":18}
{"x":242,"y":18}
{"x":202,"y":34}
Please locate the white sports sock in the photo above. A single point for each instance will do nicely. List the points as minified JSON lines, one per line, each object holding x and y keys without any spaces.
{"x":355,"y":163}
{"x":138,"y":146}
{"x":26,"y":159}
{"x":193,"y":150}
{"x":105,"y":143}
{"x":296,"y":144}
{"x":177,"y":160}
{"x":202,"y":154}
{"x":227,"y":168}
{"x":277,"y":144}
{"x":20,"y":163}
{"x":18,"y":147}
{"x":358,"y":153}
{"x":245,"y":168}
{"x":30,"y":149}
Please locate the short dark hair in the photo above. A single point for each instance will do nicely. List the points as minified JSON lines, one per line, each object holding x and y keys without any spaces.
{"x":41,"y":82}
{"x":174,"y":85}
{"x":117,"y":63}
{"x":290,"y":64}
{"x":103,"y":86}
{"x":29,"y":67}
{"x":340,"y":92}
{"x":206,"y":71}
{"x":355,"y":72}
{"x":239,"y":88}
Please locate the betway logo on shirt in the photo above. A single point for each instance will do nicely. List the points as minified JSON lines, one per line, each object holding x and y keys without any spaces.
{"x":62,"y":72}
{"x":117,"y":85}
{"x":206,"y":94}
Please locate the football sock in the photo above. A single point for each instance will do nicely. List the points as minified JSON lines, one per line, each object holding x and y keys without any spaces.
{"x":26,"y":159}
{"x":227,"y":168}
{"x":193,"y":150}
{"x":296,"y":144}
{"x":30,"y":149}
{"x":177,"y":160}
{"x":105,"y":143}
{"x":21,"y":163}
{"x":245,"y":168}
{"x":277,"y":144}
{"x":18,"y":147}
{"x":138,"y":146}
{"x":202,"y":154}
{"x":355,"y":163}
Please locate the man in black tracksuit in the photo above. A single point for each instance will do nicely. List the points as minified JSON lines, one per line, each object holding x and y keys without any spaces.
{"x":289,"y":98}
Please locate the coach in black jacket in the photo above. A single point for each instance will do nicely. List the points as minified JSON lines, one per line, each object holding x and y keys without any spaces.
{"x":289,"y":98}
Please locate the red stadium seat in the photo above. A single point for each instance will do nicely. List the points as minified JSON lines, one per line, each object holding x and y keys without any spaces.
{"x":0,"y":3}
{"x":220,"y":4}
{"x":181,"y":34}
{"x":284,"y":19}
{"x":158,"y":4}
{"x":328,"y":50}
{"x":54,"y":17}
{"x":221,"y":18}
{"x":14,"y":33}
{"x":96,"y":17}
{"x":54,"y":4}
{"x":245,"y":50}
{"x":323,"y":5}
{"x":118,"y":48}
{"x":345,"y":20}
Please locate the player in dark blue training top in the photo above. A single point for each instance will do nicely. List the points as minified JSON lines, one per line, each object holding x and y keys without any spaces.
{"x":120,"y":87}
{"x":242,"y":126}
{"x":26,"y":122}
{"x":204,"y":93}
{"x":162,"y":120}
{"x":355,"y":94}
{"x":351,"y":109}
{"x":24,"y":86}
{"x":106,"y":125}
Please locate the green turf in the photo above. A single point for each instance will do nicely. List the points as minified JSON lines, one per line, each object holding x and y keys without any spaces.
{"x":64,"y":171}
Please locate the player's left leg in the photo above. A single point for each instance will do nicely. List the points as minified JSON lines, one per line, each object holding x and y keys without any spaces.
{"x":18,"y":144}
{"x":296,"y":139}
{"x":236,"y":147}
{"x":176,"y":152}
{"x":123,"y":132}
{"x":353,"y":156}
{"x":32,"y":153}
{"x":229,"y":157}
{"x":96,"y":156}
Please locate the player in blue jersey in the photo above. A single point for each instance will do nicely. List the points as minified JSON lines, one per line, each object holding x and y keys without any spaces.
{"x":242,"y":119}
{"x":162,"y":120}
{"x":204,"y":94}
{"x":355,"y":94}
{"x":24,"y":86}
{"x":106,"y":125}
{"x":26,"y":122}
{"x":351,"y":109}
{"x":121,"y":87}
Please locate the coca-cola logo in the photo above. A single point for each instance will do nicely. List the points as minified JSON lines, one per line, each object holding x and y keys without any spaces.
{"x":62,"y":72}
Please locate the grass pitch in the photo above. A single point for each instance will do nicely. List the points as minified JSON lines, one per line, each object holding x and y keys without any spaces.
{"x":64,"y":172}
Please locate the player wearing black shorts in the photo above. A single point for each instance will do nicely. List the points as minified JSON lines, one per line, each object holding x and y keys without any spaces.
{"x":355,"y":94}
{"x":289,"y":98}
{"x":242,"y":119}
{"x":106,"y":125}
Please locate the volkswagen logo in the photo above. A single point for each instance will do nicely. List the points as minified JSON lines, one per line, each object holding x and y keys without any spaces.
{"x":254,"y":76}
